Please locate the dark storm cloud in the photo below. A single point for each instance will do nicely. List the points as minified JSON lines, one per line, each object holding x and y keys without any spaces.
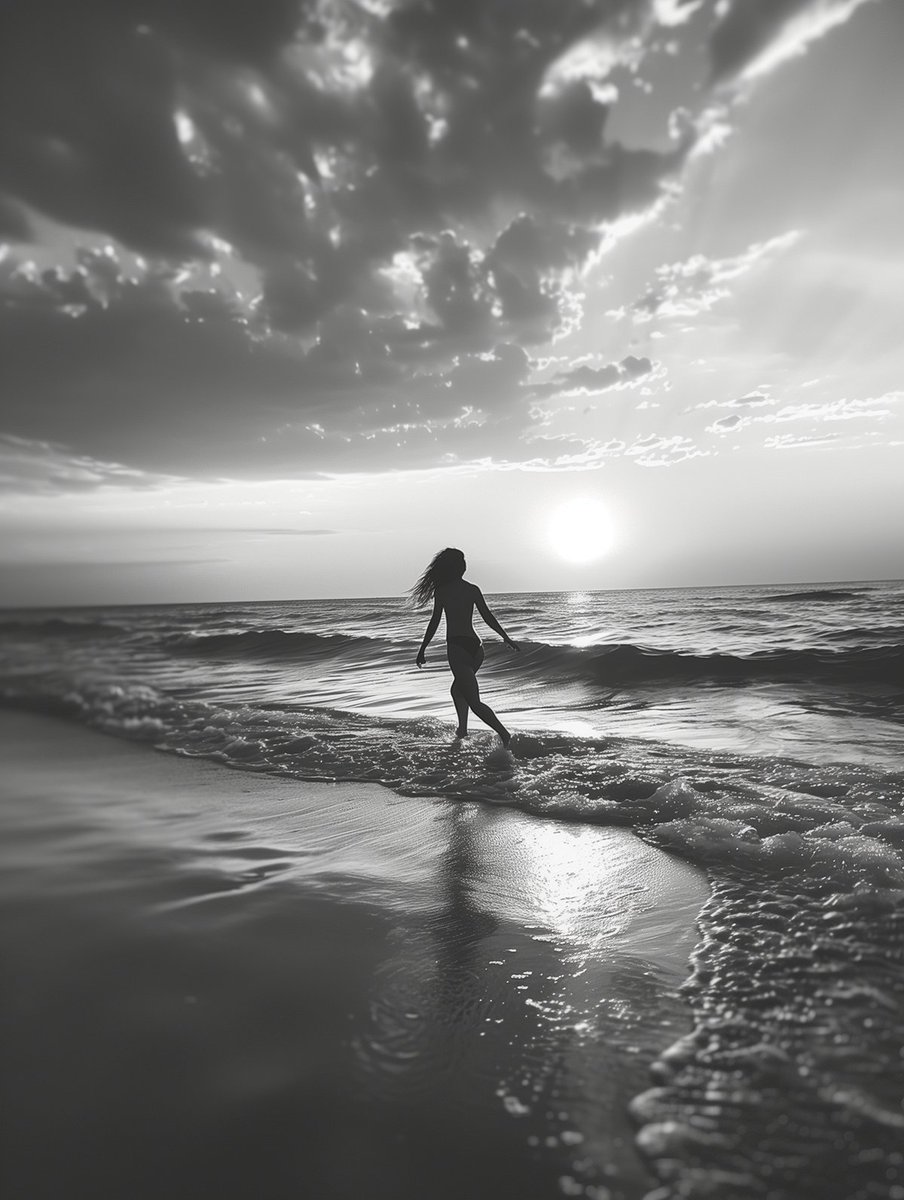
{"x":161,"y":122}
{"x":414,"y":190}
{"x":88,"y":93}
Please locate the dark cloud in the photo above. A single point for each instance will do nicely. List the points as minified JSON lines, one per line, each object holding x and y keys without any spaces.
{"x":648,"y":304}
{"x":633,"y":367}
{"x":14,"y":224}
{"x":596,"y":379}
{"x":162,"y":122}
{"x":524,"y":265}
{"x":89,"y":93}
{"x":182,"y":383}
{"x":745,"y":29}
{"x":454,"y":289}
{"x":726,"y":424}
{"x":412,"y":193}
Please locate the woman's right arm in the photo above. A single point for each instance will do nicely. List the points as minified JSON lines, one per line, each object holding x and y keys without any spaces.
{"x":432,"y":626}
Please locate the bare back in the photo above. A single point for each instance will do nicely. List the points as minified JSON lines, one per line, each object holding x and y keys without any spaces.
{"x":457,"y":600}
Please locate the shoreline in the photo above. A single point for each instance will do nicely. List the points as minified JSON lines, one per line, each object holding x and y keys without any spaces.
{"x":230,"y":983}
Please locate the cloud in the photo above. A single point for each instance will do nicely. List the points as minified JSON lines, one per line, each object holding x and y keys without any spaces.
{"x":658,"y":451}
{"x":754,"y":400}
{"x":876,"y":409}
{"x":724,"y":424}
{"x":758,"y":399}
{"x":685,"y":289}
{"x":586,"y":380}
{"x":337,"y":231}
{"x":319,"y":140}
{"x":790,"y":441}
{"x":598,"y":379}
{"x":44,"y":467}
{"x":869,"y":408}
{"x":181,"y":383}
{"x":753,"y":37}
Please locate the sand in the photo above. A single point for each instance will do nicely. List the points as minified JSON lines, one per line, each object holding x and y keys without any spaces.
{"x":223,"y":984}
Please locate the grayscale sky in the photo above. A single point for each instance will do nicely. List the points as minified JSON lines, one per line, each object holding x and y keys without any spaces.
{"x":294,"y":293}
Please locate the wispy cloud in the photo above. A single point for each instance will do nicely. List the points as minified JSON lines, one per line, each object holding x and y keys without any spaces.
{"x":685,"y":289}
{"x":28,"y":465}
{"x":873,"y":409}
{"x":657,"y":451}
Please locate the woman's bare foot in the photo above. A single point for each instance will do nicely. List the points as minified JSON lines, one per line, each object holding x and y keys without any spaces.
{"x":506,"y":737}
{"x":461,"y":733}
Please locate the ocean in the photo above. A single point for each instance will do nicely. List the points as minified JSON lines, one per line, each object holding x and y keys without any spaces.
{"x":753,"y":733}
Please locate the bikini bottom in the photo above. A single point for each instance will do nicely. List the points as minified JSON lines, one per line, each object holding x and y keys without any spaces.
{"x":464,"y":650}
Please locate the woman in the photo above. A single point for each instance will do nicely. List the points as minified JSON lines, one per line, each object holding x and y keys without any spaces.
{"x":442,"y":583}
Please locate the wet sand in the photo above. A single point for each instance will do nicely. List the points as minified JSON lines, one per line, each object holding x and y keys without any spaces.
{"x":226,"y":984}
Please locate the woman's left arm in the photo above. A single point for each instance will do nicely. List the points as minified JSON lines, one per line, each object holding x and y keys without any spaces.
{"x":484,"y":609}
{"x":432,"y":626}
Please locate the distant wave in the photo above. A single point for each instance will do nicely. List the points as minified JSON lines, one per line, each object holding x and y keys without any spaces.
{"x":268,"y":643}
{"x":626,"y":663}
{"x":61,"y":626}
{"x":866,"y":634}
{"x":821,"y":594}
{"x":618,"y":663}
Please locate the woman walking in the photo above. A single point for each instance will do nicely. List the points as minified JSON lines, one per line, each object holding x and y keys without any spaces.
{"x":443,"y":583}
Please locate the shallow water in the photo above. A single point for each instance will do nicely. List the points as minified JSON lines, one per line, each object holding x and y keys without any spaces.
{"x":233,"y":986}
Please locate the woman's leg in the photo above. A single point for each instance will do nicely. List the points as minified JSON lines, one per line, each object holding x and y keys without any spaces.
{"x":466,"y":682}
{"x":460,"y":700}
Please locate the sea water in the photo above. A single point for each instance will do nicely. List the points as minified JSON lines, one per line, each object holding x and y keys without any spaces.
{"x":755,"y":732}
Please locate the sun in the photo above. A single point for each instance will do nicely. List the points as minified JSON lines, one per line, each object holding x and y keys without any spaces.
{"x":581,"y":530}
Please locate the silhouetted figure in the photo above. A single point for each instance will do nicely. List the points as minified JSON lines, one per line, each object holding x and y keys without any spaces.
{"x":442,"y":583}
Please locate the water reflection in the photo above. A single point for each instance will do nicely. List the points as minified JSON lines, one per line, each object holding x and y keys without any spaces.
{"x":523,"y":1010}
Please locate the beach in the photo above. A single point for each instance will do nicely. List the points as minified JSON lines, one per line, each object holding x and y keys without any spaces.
{"x":272,"y":925}
{"x":225,"y":983}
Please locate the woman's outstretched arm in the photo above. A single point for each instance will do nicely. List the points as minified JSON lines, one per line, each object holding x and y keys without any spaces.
{"x":432,"y":626}
{"x":484,"y":610}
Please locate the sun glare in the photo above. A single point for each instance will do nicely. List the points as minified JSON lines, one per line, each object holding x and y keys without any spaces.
{"x":581,"y":530}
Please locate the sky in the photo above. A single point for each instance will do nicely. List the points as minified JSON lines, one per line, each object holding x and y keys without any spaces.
{"x":294,"y":293}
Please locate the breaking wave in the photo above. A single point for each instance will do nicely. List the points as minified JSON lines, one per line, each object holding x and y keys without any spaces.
{"x":616,"y":663}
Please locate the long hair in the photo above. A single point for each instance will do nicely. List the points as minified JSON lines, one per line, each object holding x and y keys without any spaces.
{"x":449,"y":564}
